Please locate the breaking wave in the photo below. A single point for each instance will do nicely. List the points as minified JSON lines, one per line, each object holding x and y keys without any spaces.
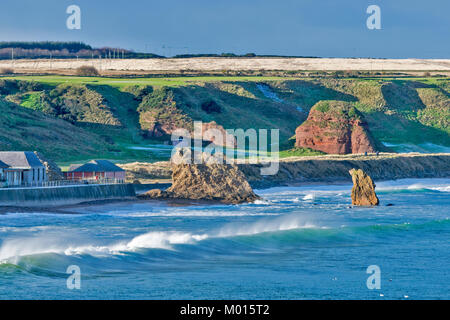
{"x":11,"y":250}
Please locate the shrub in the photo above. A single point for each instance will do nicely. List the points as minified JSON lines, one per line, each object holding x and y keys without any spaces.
{"x":323,"y":106}
{"x":338,"y":73}
{"x":139,"y":92}
{"x":211,"y":107}
{"x":87,"y":71}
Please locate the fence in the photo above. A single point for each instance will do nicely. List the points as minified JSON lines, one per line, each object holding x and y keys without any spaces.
{"x":61,"y":183}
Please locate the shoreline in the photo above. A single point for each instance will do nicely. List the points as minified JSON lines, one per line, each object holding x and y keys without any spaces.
{"x":328,"y":169}
{"x":293,"y":172}
{"x":69,"y":209}
{"x":332,"y":168}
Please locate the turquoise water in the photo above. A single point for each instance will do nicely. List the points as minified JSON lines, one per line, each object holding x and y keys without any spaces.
{"x":297,"y":243}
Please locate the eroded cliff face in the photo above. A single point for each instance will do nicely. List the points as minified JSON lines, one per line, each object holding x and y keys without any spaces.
{"x":335,"y":127}
{"x":211,"y":131}
{"x":325,"y":168}
{"x":330,"y":168}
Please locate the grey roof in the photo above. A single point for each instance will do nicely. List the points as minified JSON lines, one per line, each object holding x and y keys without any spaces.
{"x":95,"y":166}
{"x":3,"y":165}
{"x":73,"y":167}
{"x":20,"y":159}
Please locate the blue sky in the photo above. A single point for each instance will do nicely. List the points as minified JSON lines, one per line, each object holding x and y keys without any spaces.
{"x":325,"y":28}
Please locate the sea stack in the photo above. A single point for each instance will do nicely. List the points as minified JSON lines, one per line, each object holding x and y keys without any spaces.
{"x":335,"y":127}
{"x":208,"y":181}
{"x":363,"y":191}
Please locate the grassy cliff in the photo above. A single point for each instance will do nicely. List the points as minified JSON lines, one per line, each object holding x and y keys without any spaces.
{"x":72,"y":118}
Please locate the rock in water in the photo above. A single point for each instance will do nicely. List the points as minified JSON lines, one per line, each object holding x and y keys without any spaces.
{"x":154,"y":194}
{"x":217,"y":182}
{"x":363,"y":191}
{"x":222,"y":182}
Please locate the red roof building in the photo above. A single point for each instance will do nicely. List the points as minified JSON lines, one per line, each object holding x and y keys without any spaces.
{"x":95,"y":170}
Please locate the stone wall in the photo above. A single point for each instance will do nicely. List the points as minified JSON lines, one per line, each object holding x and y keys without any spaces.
{"x":64,"y":195}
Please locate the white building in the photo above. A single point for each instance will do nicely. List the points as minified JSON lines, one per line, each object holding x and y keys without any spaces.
{"x":19,"y":168}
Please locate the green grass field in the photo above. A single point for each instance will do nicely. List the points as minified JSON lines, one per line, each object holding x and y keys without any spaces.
{"x":185,"y":80}
{"x":123,"y":82}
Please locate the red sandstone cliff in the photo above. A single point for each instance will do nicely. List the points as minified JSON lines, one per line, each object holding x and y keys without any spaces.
{"x":335,"y":127}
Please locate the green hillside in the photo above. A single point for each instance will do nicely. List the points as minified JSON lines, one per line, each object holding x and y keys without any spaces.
{"x":75,"y":118}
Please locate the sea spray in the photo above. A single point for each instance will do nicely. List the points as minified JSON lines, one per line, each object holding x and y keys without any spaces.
{"x":11,"y":250}
{"x":283,"y":223}
{"x":309,"y":196}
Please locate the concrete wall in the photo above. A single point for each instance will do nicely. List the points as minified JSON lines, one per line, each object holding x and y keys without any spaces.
{"x":65,"y":195}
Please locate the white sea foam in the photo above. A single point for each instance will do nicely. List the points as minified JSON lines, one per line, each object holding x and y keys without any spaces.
{"x":442,"y":185}
{"x":442,"y":189}
{"x":150,"y":240}
{"x":193,"y":213}
{"x":309,"y":196}
{"x":25,"y":229}
{"x":262,"y":201}
{"x":11,"y":250}
{"x":267,"y":225}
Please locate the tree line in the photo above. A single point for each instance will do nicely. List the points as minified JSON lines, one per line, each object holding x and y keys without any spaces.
{"x":65,"y":50}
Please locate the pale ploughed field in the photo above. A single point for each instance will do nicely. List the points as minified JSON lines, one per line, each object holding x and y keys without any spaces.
{"x":232,"y":64}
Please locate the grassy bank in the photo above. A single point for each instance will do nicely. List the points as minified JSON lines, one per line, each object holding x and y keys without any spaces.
{"x":124,"y":82}
{"x":76,"y":118}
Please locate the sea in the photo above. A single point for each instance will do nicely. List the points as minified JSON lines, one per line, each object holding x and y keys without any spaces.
{"x":302,"y":242}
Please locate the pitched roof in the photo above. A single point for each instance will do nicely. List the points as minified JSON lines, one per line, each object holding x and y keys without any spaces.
{"x":107,"y":165}
{"x":3,"y":165}
{"x":95,"y":166}
{"x":20,"y":159}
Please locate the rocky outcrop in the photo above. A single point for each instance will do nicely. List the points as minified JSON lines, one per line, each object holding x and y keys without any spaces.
{"x":155,"y":194}
{"x":222,"y":138}
{"x":211,"y":131}
{"x":52,"y":170}
{"x":217,"y":182}
{"x":335,"y":127}
{"x":363,"y":191}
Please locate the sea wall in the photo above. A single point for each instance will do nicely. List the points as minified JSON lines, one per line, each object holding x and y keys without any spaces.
{"x":64,"y":195}
{"x":335,"y":168}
